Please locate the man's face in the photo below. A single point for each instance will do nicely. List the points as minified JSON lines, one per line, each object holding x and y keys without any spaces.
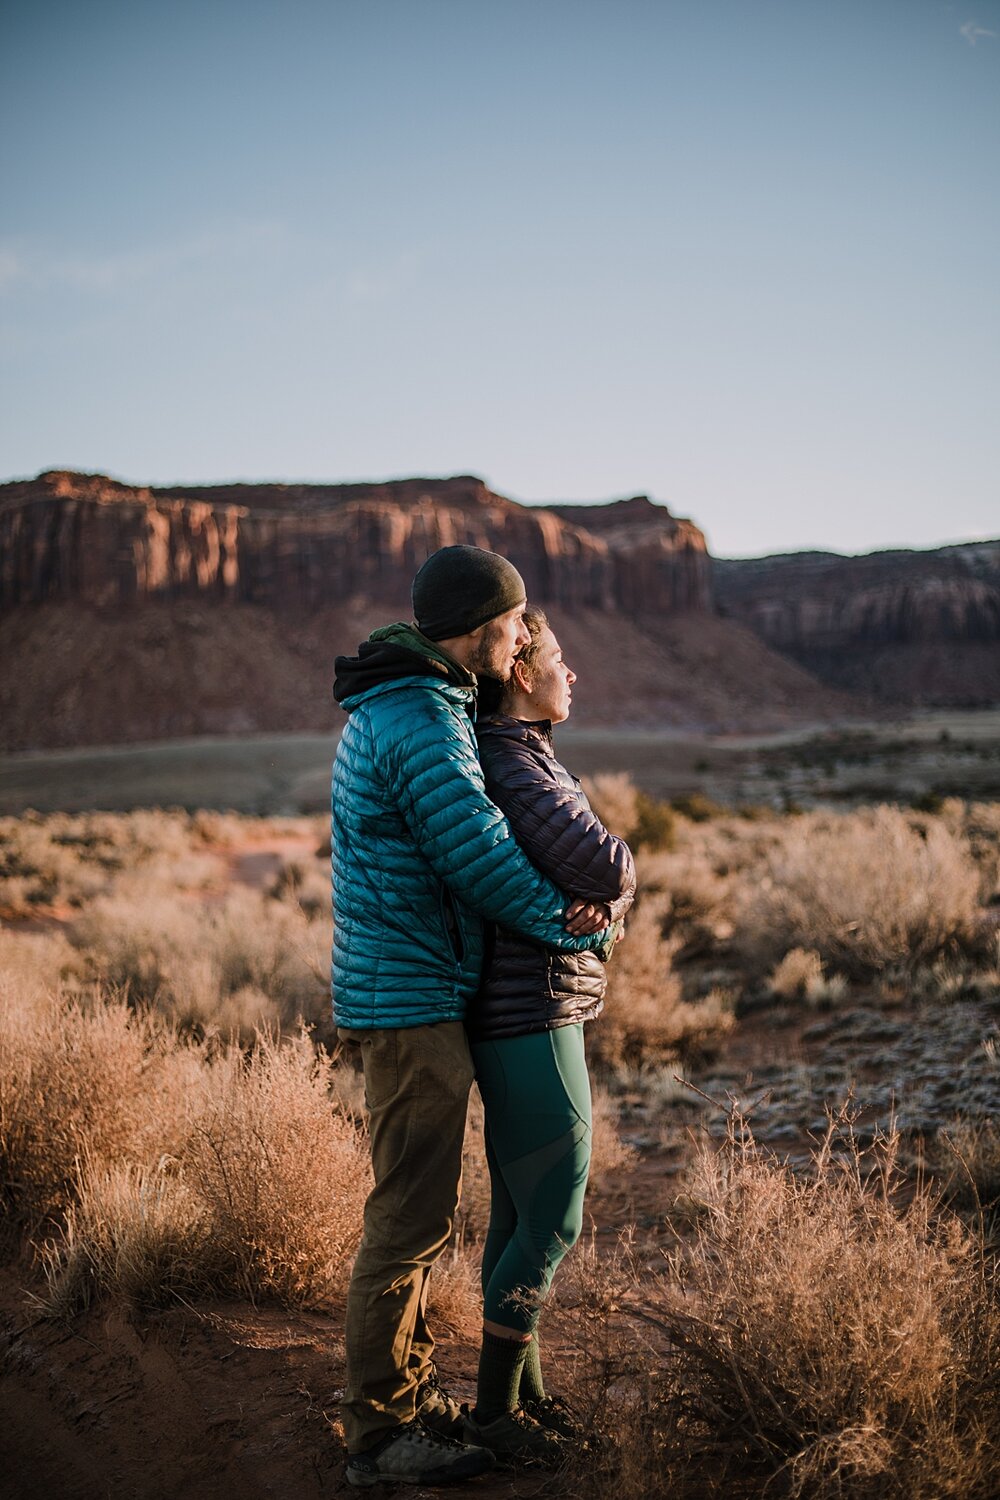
{"x":500,"y":640}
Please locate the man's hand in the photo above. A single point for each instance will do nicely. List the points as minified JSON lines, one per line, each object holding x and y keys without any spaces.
{"x":585,"y":917}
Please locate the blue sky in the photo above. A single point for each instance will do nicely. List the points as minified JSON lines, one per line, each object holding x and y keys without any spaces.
{"x":742,"y":256}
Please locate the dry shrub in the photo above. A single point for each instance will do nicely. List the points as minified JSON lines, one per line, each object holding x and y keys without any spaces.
{"x":84,"y":1079}
{"x":37,"y":869}
{"x":966,"y":1158}
{"x":474,"y":1202}
{"x":137,"y":1232}
{"x":34,"y":964}
{"x":865,"y":890}
{"x":629,"y":812}
{"x":283,"y":1173}
{"x":697,"y":899}
{"x":455,"y":1297}
{"x":697,"y":807}
{"x":143,"y":941}
{"x":173,"y":1164}
{"x":798,"y":971}
{"x":800,"y":976}
{"x":978,"y":825}
{"x":245,"y":962}
{"x":306,"y":884}
{"x":614,"y":797}
{"x":646,"y":1018}
{"x":822,"y":1335}
{"x":68,"y":858}
{"x":690,"y":881}
{"x":608,"y":1153}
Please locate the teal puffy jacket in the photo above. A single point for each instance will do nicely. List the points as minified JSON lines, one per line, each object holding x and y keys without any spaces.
{"x":420,"y":853}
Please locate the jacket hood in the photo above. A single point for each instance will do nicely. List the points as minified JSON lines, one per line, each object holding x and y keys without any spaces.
{"x":391,"y":652}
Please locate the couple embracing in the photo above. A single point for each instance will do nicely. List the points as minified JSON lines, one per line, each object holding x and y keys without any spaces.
{"x":477,"y":898}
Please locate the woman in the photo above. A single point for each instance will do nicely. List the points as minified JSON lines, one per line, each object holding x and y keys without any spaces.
{"x":526,"y":1033}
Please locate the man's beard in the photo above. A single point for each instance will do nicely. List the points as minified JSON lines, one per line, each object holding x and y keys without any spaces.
{"x":491,"y":657}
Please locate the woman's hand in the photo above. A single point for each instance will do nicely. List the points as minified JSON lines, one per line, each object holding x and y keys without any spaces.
{"x":585,"y":917}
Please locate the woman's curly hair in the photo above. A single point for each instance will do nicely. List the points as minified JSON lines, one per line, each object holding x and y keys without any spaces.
{"x":536,"y":620}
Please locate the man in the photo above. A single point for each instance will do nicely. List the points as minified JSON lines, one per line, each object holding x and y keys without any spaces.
{"x":420,"y":857}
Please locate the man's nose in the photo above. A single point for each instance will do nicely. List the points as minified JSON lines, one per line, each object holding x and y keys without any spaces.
{"x":523,"y":635}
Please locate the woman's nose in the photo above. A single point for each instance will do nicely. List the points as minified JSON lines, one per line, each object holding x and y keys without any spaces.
{"x":570,"y":676}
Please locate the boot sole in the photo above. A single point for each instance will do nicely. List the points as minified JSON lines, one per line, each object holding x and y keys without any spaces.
{"x":452,"y":1474}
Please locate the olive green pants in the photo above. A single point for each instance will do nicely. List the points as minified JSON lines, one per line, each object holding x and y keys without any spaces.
{"x":417,"y":1082}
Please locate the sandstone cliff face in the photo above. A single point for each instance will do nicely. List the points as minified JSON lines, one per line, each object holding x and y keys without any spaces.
{"x":92,"y":540}
{"x":111,"y":630}
{"x":818,"y":601}
{"x":905,"y":627}
{"x":660,"y":562}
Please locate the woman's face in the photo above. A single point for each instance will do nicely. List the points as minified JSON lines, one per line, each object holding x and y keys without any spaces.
{"x":548,"y":680}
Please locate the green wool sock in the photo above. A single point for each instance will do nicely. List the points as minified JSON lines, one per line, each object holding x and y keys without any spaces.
{"x":532,"y":1385}
{"x":500,"y":1364}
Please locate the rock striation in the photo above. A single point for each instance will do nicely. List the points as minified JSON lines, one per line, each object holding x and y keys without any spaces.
{"x":808,"y":601}
{"x":900,"y":626}
{"x":93,"y":540}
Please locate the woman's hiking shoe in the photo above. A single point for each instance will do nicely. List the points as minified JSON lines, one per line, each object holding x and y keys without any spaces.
{"x":552,"y":1412}
{"x":516,"y":1438}
{"x":413,"y":1455}
{"x":438,"y":1410}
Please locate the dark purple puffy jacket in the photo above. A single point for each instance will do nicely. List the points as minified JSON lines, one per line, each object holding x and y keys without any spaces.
{"x":525,"y":986}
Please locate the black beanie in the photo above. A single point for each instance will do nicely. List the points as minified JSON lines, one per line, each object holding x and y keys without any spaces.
{"x":459,"y":588}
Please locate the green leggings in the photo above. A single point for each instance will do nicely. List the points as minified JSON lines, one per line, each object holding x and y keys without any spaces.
{"x":536,"y":1092}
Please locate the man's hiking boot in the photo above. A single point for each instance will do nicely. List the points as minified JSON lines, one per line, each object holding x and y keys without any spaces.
{"x":515,"y":1438}
{"x":413,"y":1455}
{"x":552,"y":1412}
{"x":438,"y":1410}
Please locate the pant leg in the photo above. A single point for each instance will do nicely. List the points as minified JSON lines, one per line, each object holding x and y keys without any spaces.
{"x":536,"y":1094}
{"x":422,"y":1342}
{"x":417,"y":1082}
{"x":503,"y":1215}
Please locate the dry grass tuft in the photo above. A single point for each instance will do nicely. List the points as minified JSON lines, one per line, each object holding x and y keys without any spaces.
{"x":614,"y":797}
{"x":283,"y":1174}
{"x":170,"y":1163}
{"x":230,"y":967}
{"x":800,"y":976}
{"x":84,"y":1079}
{"x":646,"y":1018}
{"x":821,"y":1335}
{"x":456,"y":1295}
{"x":135,"y":1232}
{"x":866,"y":891}
{"x":966,"y":1159}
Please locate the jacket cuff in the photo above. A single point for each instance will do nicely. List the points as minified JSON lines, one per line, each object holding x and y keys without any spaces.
{"x":607,"y":947}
